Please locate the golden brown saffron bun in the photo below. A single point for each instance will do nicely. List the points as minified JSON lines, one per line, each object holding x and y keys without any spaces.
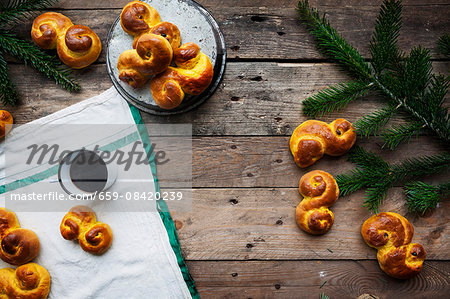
{"x":391,"y":234}
{"x":152,"y":55}
{"x":77,"y":45}
{"x":29,"y":281}
{"x":138,"y":17}
{"x":18,"y":246}
{"x":48,"y":27}
{"x":320,"y":191}
{"x":312,"y":139}
{"x":6,"y":121}
{"x":192,"y":75}
{"x":167,"y":30}
{"x":80,"y":223}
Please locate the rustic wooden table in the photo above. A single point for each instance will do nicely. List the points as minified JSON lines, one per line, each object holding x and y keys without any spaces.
{"x":241,"y":240}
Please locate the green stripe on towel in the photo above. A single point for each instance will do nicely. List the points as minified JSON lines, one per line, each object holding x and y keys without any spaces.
{"x":162,"y":206}
{"x":119,"y":143}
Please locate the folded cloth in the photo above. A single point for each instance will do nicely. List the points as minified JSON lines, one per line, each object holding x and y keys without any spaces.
{"x":144,"y":260}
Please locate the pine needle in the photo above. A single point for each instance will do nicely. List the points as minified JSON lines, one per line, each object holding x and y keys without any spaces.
{"x":421,"y":197}
{"x":41,"y":61}
{"x":334,"y":98}
{"x":444,"y":44}
{"x":323,"y":296}
{"x":372,"y":123}
{"x":401,"y":133}
{"x":383,"y":46}
{"x":8,"y":93}
{"x":14,"y":11}
{"x":331,"y":43}
{"x":378,"y":176}
{"x":406,"y":83}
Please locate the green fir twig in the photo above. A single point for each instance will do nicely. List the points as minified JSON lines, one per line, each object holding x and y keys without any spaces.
{"x":334,"y":97}
{"x":8,"y":93}
{"x":38,"y":59}
{"x":331,"y":43}
{"x":371,"y":123}
{"x":421,"y":197}
{"x":383,"y":45}
{"x":444,"y":44}
{"x":402,"y":133}
{"x":13,"y":11}
{"x":373,"y":173}
{"x":406,"y":82}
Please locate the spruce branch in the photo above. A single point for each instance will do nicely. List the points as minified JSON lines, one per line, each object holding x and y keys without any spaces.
{"x":444,"y":44}
{"x":421,"y":197}
{"x":331,"y":43}
{"x":334,"y":98}
{"x":8,"y":93}
{"x":421,"y":166}
{"x":401,"y":133}
{"x":406,"y":83}
{"x":416,"y":73}
{"x":13,"y":11}
{"x":367,"y":160}
{"x":383,"y":46}
{"x":372,"y":123}
{"x":378,"y":176}
{"x":41,"y":61}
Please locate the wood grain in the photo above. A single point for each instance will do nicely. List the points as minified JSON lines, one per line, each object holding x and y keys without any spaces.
{"x":267,"y":162}
{"x":254,"y":223}
{"x":77,"y":4}
{"x":273,"y":31}
{"x":261,"y":98}
{"x":303,"y":279}
{"x":247,"y":162}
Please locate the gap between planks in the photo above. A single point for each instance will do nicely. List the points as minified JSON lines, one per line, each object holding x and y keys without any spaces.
{"x":277,"y":33}
{"x":259,"y":224}
{"x":256,"y":99}
{"x":308,"y":279}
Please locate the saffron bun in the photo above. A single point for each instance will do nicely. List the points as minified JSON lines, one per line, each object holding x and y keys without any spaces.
{"x":78,"y":46}
{"x":391,"y":234}
{"x":81,"y":224}
{"x":48,"y":27}
{"x":152,"y":55}
{"x":312,"y":139}
{"x":320,"y":191}
{"x":6,"y":121}
{"x":167,"y":30}
{"x":138,"y":17}
{"x":192,"y":75}
{"x":27,"y":281}
{"x":18,"y":245}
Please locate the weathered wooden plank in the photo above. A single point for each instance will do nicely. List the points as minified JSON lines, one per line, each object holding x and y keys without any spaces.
{"x":76,"y":4}
{"x":265,"y":32}
{"x":267,"y":161}
{"x":303,"y":279}
{"x":246,"y":224}
{"x":253,"y":99}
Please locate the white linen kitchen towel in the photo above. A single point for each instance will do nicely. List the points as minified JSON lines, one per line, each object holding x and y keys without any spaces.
{"x":141,"y":262}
